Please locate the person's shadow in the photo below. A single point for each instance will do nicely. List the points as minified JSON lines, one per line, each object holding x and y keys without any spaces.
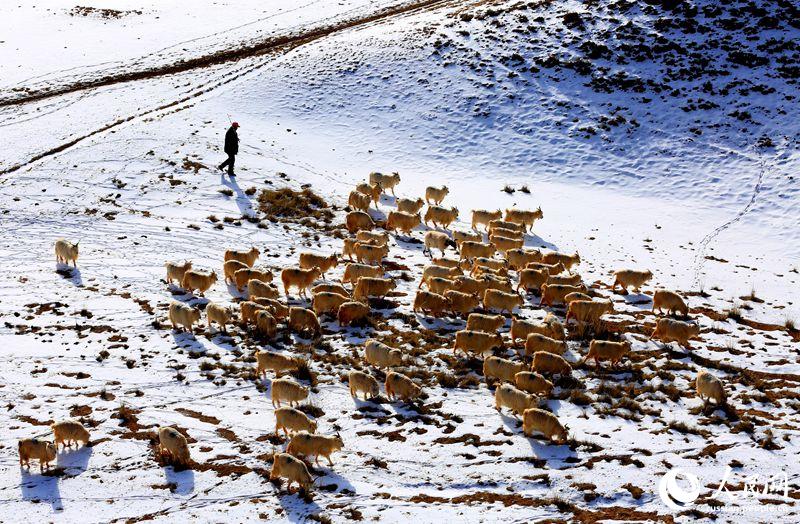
{"x":40,"y":488}
{"x":242,"y":199}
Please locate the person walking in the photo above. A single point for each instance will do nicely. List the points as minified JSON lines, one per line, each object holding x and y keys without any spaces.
{"x":231,"y":148}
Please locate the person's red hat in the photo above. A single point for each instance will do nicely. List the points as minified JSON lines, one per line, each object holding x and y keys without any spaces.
{"x":235,"y":124}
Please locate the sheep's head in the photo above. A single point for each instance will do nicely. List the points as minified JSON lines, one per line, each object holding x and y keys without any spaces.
{"x":338,"y":443}
{"x":254,"y":251}
{"x":50,"y":451}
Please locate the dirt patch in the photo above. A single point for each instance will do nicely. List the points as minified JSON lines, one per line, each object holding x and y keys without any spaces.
{"x":281,"y":204}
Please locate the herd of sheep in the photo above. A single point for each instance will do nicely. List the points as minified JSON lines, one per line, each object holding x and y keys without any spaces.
{"x":492,"y":277}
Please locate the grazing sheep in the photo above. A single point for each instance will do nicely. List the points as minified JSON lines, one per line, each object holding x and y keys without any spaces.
{"x":199,"y":280}
{"x":42,"y":450}
{"x":434,"y":271}
{"x":503,"y":244}
{"x":496,"y":299}
{"x":373,"y":237}
{"x":259,"y":288}
{"x":469,"y":250}
{"x":287,"y":390}
{"x":299,"y":278}
{"x":532,"y":279}
{"x":561,"y":258}
{"x":358,"y":220}
{"x":176,"y":271}
{"x":266,"y":323}
{"x":572,"y":297}
{"x":350,"y":312}
{"x":550,"y":327}
{"x":278,"y":310}
{"x":465,"y":236}
{"x":367,"y":253}
{"x":372,"y":287}
{"x":710,"y":387}
{"x":302,"y":320}
{"x":485,"y":323}
{"x":520,"y":257}
{"x":548,"y":363}
{"x":248,"y":310}
{"x":308,"y":444}
{"x":538,"y":342}
{"x":242,"y":277}
{"x":607,"y":350}
{"x":472,"y":286}
{"x":219,"y":314}
{"x":436,"y":194}
{"x":405,"y":222}
{"x":327,"y":302}
{"x":407,"y":205}
{"x":374,"y":191}
{"x":437,"y":240}
{"x":229,"y":269}
{"x":399,"y":385}
{"x":555,"y":293}
{"x":386,"y":182}
{"x":523,"y":217}
{"x":631,"y":278}
{"x":476,"y":342}
{"x":359,"y":201}
{"x":182,"y":315}
{"x":65,"y":432}
{"x":431,"y":303}
{"x":324,"y":263}
{"x":501,"y":368}
{"x":446,"y":262}
{"x":173,"y":446}
{"x":292,"y":469}
{"x":588,"y":310}
{"x":380,"y":355}
{"x":363,"y":382}
{"x":294,"y":420}
{"x":441,"y":216}
{"x":544,"y":422}
{"x":440,"y":285}
{"x":354,"y":271}
{"x":483,"y":217}
{"x":551,"y":269}
{"x":534,"y":383}
{"x":516,"y":400}
{"x":461,"y":303}
{"x":329,"y":288}
{"x":668,"y":330}
{"x":565,"y":280}
{"x":506,"y":225}
{"x":248,"y":257}
{"x":671,"y":301}
{"x":67,"y":252}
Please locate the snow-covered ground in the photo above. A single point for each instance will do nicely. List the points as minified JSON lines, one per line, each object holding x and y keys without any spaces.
{"x":128,"y":169}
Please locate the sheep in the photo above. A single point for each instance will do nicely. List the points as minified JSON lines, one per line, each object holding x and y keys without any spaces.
{"x":671,"y":301}
{"x":248,"y":310}
{"x":491,"y":263}
{"x":607,"y":350}
{"x":372,"y":287}
{"x":349,"y":247}
{"x":360,"y":381}
{"x":523,"y":217}
{"x":534,"y":383}
{"x":572,"y":297}
{"x":219,"y":314}
{"x":327,"y":302}
{"x":503,"y":244}
{"x":518,"y":258}
{"x":367,"y":253}
{"x":550,"y":327}
{"x":437,"y":240}
{"x":372,"y":237}
{"x":329,"y":288}
{"x":287,"y":390}
{"x":434,"y":271}
{"x":432,"y":303}
{"x":292,"y":469}
{"x":551,"y":269}
{"x":446,"y":262}
{"x":461,"y":303}
{"x":498,"y":283}
{"x":405,"y":222}
{"x":380,"y":355}
{"x":176,"y":271}
{"x":472,"y":286}
{"x":501,"y":368}
{"x":174,"y":445}
{"x":350,"y":312}
{"x":565,"y":280}
{"x":308,"y":444}
{"x":65,"y":432}
{"x":555,"y":293}
{"x":509,"y":233}
{"x":668,"y":330}
{"x":545,"y":362}
{"x":565,"y":260}
{"x":631,"y":278}
{"x":299,"y":278}
{"x":359,"y":201}
{"x":358,"y":220}
{"x":279,"y":311}
{"x":386,"y":182}
{"x":485,"y":323}
{"x":710,"y":387}
{"x":483,"y":217}
{"x":440,"y":285}
{"x":266,"y":323}
{"x":535,"y":342}
{"x":532,"y":279}
{"x":408,"y":205}
{"x":67,"y":252}
{"x":588,"y":310}
{"x":324,"y":263}
{"x":469,"y":249}
{"x":506,"y":225}
{"x":436,"y":194}
{"x":399,"y":385}
{"x":516,"y":400}
{"x":478,"y":342}
{"x":287,"y":419}
{"x":354,"y":271}
{"x":481,"y":271}
{"x":248,"y":257}
{"x":277,"y":362}
{"x":372,"y":190}
{"x":465,"y":236}
{"x":199,"y":280}
{"x":42,"y":450}
{"x":303,"y":320}
{"x":544,"y":422}
{"x":243,"y":276}
{"x":259,"y":288}
{"x":229,"y":269}
{"x":441,"y":216}
{"x":496,"y":299}
{"x":182,"y":315}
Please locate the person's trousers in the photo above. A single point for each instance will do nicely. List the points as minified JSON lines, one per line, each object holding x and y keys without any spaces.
{"x":229,"y":163}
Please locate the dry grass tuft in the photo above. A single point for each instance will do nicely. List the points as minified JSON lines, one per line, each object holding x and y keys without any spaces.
{"x":288,"y":204}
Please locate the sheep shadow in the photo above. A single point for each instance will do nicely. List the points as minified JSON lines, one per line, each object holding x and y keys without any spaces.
{"x":75,"y":461}
{"x":297,"y":507}
{"x":243,"y":201}
{"x":189,"y":340}
{"x":182,"y":480}
{"x":40,"y":488}
{"x":69,"y":273}
{"x":534,"y":240}
{"x":327,"y":474}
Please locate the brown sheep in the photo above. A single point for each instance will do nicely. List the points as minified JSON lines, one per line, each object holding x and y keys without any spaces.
{"x":374,"y":191}
{"x":492,"y":263}
{"x":565,"y":280}
{"x":308,"y":444}
{"x":533,"y":383}
{"x":176,"y":271}
{"x":449,"y":263}
{"x":588,"y":310}
{"x":182,"y":315}
{"x":219,"y":314}
{"x":465,"y":236}
{"x":437,"y":240}
{"x":432,"y":303}
{"x":42,"y":450}
{"x":523,"y":217}
{"x":550,"y":327}
{"x":259,"y":288}
{"x":572,"y":297}
{"x":229,"y":269}
{"x":508,"y":233}
{"x":501,"y":368}
{"x":299,"y":278}
{"x":324,"y":263}
{"x":380,"y":355}
{"x":671,"y":301}
{"x":405,"y":222}
{"x":199,"y":280}
{"x":440,"y":216}
{"x":349,"y":247}
{"x":243,"y":276}
{"x":434,"y":271}
{"x":302,"y":320}
{"x":173,"y":446}
{"x":476,"y":342}
{"x":292,"y":469}
{"x":503,"y":244}
{"x":561,"y":258}
{"x":551,"y":364}
{"x":66,"y":252}
{"x":498,"y":283}
{"x":538,"y":342}
{"x":668,"y":330}
{"x":482,"y":217}
{"x":496,"y":299}
{"x":287,"y":390}
{"x":505,"y":224}
{"x":266,"y":323}
{"x":710,"y":387}
{"x":544,"y":422}
{"x":461,"y":303}
{"x":248,"y":310}
{"x":327,"y":302}
{"x":631,"y":278}
{"x":363,"y":382}
{"x":520,"y":257}
{"x":279,"y":311}
{"x":354,"y":271}
{"x":472,"y":286}
{"x":555,"y":293}
{"x":385,"y":182}
{"x":607,"y":350}
{"x":373,"y":237}
{"x":440,"y":285}
{"x":66,"y":432}
{"x":358,"y":220}
{"x":293,"y":419}
{"x":372,"y":287}
{"x":485,"y":323}
{"x":516,"y":400}
{"x":532,"y":279}
{"x":350,"y":312}
{"x":248,"y":257}
{"x":399,"y":385}
{"x":469,"y":250}
{"x":407,"y":205}
{"x":367,"y":253}
{"x":437,"y":194}
{"x":551,"y":269}
{"x":277,"y":362}
{"x":329,"y":288}
{"x":480,"y":271}
{"x":359,"y":201}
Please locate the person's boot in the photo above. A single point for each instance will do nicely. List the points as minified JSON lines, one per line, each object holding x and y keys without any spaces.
{"x":221,"y":168}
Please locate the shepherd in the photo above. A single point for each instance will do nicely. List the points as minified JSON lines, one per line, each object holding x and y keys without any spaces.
{"x":231,"y":148}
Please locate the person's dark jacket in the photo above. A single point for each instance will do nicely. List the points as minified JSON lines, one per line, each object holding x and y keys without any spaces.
{"x":231,"y":141}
